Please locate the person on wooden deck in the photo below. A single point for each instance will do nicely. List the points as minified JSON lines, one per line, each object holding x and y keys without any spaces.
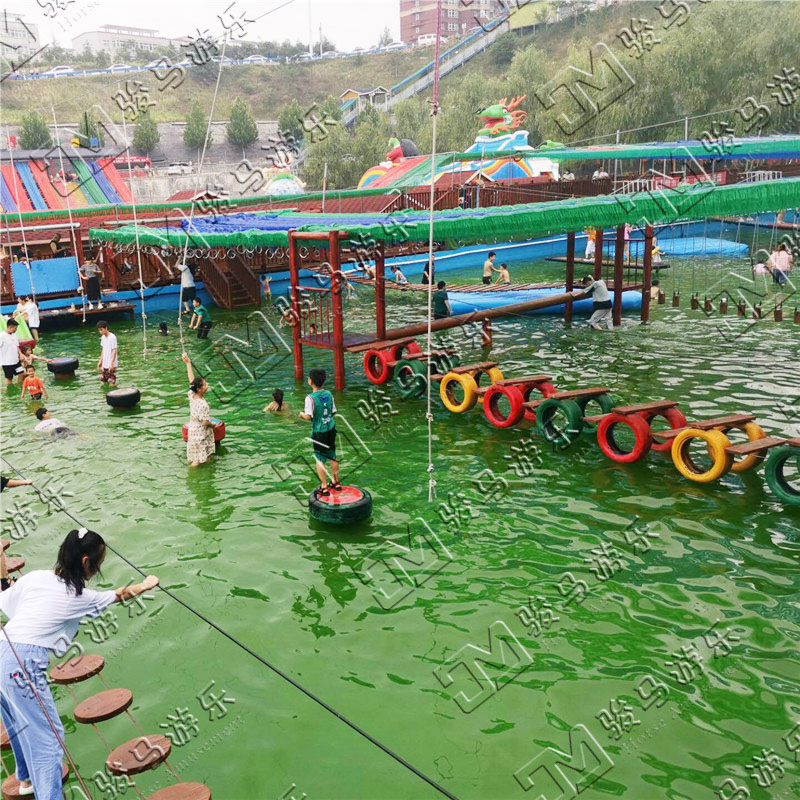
{"x":601,"y":303}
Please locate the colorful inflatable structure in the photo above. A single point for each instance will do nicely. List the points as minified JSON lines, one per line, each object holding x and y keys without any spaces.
{"x":500,"y":132}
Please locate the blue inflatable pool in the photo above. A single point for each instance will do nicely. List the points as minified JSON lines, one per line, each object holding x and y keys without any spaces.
{"x":465,"y":302}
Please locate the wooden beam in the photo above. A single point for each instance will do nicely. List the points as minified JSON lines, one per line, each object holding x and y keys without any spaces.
{"x":598,"y":255}
{"x":380,"y":292}
{"x":294,"y":273}
{"x":570,"y":274}
{"x":335,"y":258}
{"x":648,"y":272}
{"x":619,"y":256}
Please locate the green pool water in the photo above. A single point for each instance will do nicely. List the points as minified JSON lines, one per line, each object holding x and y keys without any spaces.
{"x":516,"y":525}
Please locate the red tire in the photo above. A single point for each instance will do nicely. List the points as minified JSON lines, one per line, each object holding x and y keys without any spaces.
{"x":219,"y":430}
{"x":376,"y":366}
{"x":491,"y":405}
{"x":640,"y":428}
{"x":674,"y":418}
{"x":398,"y":350}
{"x":547,"y":390}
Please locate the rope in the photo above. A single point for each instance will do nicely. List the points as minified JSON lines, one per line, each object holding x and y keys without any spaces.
{"x":69,"y":212}
{"x":429,"y":345}
{"x":19,"y":212}
{"x":308,"y":693}
{"x":44,"y":710}
{"x":136,"y":233}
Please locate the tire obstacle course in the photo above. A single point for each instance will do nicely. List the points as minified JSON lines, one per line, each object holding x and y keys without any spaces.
{"x":561,"y":416}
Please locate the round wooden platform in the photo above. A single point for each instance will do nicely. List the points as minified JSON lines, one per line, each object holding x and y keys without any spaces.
{"x":10,"y":788}
{"x":183,"y":791}
{"x":14,"y":564}
{"x":5,"y":744}
{"x":139,"y":755}
{"x":75,"y":670}
{"x":103,"y":706}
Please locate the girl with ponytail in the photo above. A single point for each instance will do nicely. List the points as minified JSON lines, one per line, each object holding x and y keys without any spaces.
{"x":45,"y":608}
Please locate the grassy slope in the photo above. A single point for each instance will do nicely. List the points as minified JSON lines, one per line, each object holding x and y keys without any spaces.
{"x":265,"y":88}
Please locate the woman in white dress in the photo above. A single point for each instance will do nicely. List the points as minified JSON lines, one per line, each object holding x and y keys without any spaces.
{"x":200,"y":444}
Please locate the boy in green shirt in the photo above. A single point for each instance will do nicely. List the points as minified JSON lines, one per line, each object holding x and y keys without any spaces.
{"x":320,"y":410}
{"x":441,"y":305}
{"x":201,"y":319}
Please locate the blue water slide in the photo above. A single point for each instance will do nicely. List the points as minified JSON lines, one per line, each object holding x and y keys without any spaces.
{"x":6,"y":198}
{"x":29,"y":182}
{"x":105,"y":185}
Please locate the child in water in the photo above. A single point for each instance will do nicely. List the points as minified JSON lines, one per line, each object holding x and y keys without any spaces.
{"x":33,"y":384}
{"x":320,"y":410}
{"x":277,"y":403}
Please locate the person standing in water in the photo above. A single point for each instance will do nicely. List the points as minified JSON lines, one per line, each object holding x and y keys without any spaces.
{"x":109,"y":360}
{"x":45,"y":609}
{"x":320,"y":411}
{"x":200,"y":444}
{"x":488,"y":268}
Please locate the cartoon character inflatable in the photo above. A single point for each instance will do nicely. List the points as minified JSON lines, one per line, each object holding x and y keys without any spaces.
{"x":503,"y":117}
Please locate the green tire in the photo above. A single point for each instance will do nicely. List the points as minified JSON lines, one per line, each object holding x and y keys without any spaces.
{"x":606,"y":403}
{"x":342,"y":513}
{"x":776,"y":479}
{"x":560,"y":434}
{"x":411,"y":378}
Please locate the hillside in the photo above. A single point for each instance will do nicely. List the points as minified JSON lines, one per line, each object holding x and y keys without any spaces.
{"x":266,"y":88}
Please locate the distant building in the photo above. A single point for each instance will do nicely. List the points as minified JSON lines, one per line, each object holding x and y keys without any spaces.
{"x":368,"y":98}
{"x":113,"y":38}
{"x":18,"y":40}
{"x":418,"y":17}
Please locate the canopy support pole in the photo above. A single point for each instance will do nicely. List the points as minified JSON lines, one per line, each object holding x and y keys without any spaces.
{"x":570,"y":275}
{"x":647,"y":272}
{"x":619,"y":254}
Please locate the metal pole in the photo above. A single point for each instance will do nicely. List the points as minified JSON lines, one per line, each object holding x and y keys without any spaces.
{"x":647,"y":273}
{"x":380,"y":292}
{"x":570,"y":274}
{"x":294,"y":272}
{"x":598,"y":255}
{"x":334,"y":256}
{"x":619,"y":252}
{"x":324,"y":185}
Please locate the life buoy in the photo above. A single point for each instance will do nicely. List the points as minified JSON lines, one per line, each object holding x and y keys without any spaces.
{"x":716,"y":442}
{"x":562,"y":436}
{"x":675,"y":419}
{"x":123,"y":398}
{"x":219,"y":430}
{"x":345,"y":507}
{"x":754,"y":432}
{"x":447,"y":392}
{"x":491,"y":405}
{"x":376,"y":366}
{"x":63,"y":366}
{"x":775,"y":473}
{"x":608,"y":444}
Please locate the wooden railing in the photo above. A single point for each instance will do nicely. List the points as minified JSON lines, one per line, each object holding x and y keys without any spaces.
{"x":245,"y":276}
{"x":217,"y":283}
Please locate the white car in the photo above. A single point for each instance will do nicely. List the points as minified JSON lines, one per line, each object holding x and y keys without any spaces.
{"x":59,"y":71}
{"x":119,"y":67}
{"x":330,"y":54}
{"x":255,"y":60}
{"x":396,"y":46}
{"x":180,"y":168}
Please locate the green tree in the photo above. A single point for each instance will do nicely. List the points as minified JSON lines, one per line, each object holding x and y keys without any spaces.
{"x":102,"y":59}
{"x":331,"y":107}
{"x":290,"y":119}
{"x":386,"y":38}
{"x":195,"y":135}
{"x":34,"y":133}
{"x":145,"y":135}
{"x":89,"y":129}
{"x":242,"y":130}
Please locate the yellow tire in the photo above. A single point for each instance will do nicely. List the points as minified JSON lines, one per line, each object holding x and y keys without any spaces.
{"x":495,"y":376}
{"x":447,"y":394}
{"x":716,"y":442}
{"x":753,"y":432}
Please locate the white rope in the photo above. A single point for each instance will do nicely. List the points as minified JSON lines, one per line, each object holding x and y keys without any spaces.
{"x":429,"y":345}
{"x":197,"y":187}
{"x":69,"y":213}
{"x":136,"y":233}
{"x":19,"y":212}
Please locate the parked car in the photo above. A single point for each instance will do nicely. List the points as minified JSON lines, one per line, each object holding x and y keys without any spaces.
{"x":331,"y":54}
{"x":255,"y":60}
{"x":63,"y":70}
{"x":180,"y":168}
{"x":119,"y":67}
{"x":396,"y":46}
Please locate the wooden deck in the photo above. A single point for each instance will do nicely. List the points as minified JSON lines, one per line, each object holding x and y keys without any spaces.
{"x":589,"y":262}
{"x":480,"y":288}
{"x":51,"y":317}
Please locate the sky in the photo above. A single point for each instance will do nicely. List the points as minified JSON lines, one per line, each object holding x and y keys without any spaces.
{"x":348,"y":23}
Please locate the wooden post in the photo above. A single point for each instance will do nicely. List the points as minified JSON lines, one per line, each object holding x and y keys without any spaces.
{"x":570,"y":274}
{"x":335,"y":258}
{"x":294,"y":272}
{"x":647,"y":272}
{"x":486,"y":331}
{"x":598,"y":255}
{"x":619,"y":253}
{"x":380,"y":292}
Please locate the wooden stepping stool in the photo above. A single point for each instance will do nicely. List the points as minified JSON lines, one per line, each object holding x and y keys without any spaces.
{"x":183,"y":791}
{"x":139,"y":755}
{"x":75,"y":670}
{"x":102,"y":706}
{"x":14,"y":564}
{"x":10,"y":787}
